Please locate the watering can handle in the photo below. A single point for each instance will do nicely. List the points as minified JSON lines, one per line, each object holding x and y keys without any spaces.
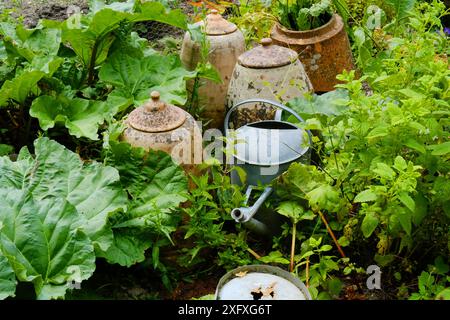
{"x":277,"y":114}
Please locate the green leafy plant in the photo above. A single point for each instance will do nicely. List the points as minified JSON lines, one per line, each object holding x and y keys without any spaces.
{"x":296,"y":213}
{"x":135,"y":77}
{"x":317,"y":268}
{"x":433,"y":284}
{"x":51,"y":72}
{"x":79,"y":211}
{"x":156,"y":187}
{"x":8,"y":280}
{"x":37,"y":49}
{"x":92,"y":36}
{"x":51,"y":266}
{"x":211,"y":200}
{"x":5,"y":149}
{"x":81,"y":117}
{"x":305,"y":193}
{"x":401,"y":8}
{"x":384,"y":152}
{"x":301,"y":15}
{"x":65,"y":205}
{"x":254,"y":19}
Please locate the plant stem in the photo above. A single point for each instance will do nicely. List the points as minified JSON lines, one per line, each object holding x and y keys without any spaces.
{"x":12,"y":119}
{"x":257,"y":256}
{"x":91,"y":67}
{"x":331,"y":234}
{"x":294,"y":231}
{"x":334,"y":149}
{"x":307,"y":272}
{"x":28,"y":127}
{"x":194,"y":95}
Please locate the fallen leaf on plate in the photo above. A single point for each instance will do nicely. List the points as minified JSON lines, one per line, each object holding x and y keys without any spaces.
{"x":241,"y":274}
{"x":269,"y":291}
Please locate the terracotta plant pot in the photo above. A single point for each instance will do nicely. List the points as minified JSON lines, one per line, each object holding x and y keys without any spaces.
{"x":226,"y":44}
{"x":325,"y":52}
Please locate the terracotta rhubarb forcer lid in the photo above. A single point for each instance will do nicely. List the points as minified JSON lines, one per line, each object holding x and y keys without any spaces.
{"x":267,"y":55}
{"x":216,"y":25}
{"x":156,"y":116}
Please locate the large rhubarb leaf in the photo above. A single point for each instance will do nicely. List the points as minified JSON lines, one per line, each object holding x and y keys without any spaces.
{"x":26,"y":81}
{"x":20,"y":87}
{"x":137,"y":77}
{"x":55,"y":172}
{"x":156,"y":186}
{"x":92,"y":38}
{"x":39,"y":48}
{"x":30,"y":43}
{"x":150,"y":178}
{"x":95,"y":41}
{"x":402,"y":8}
{"x":44,"y":242}
{"x":128,"y":247}
{"x":155,"y":11}
{"x":330,"y":104}
{"x":7,"y":277}
{"x":3,"y":54}
{"x":82,"y":117}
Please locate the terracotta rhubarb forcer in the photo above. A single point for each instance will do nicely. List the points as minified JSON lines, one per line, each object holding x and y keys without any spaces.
{"x":325,"y":51}
{"x":158,"y":125}
{"x":226,"y":44}
{"x":267,"y":72}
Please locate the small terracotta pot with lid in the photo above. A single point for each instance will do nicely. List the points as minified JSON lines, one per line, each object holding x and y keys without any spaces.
{"x":270,"y":72}
{"x":325,"y":51}
{"x":226,"y":43}
{"x":161,"y":126}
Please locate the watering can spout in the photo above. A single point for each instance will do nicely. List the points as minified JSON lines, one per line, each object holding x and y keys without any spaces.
{"x":246,"y":215}
{"x":241,"y":215}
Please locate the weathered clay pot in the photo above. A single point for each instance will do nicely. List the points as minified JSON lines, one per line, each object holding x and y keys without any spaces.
{"x":325,"y":51}
{"x":226,"y":44}
{"x":267,"y":72}
{"x":160,"y":126}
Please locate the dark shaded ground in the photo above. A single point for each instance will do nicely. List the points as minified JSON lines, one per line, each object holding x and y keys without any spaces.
{"x":141,"y":282}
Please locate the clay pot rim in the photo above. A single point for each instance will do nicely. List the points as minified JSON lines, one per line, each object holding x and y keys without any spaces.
{"x":324,"y":32}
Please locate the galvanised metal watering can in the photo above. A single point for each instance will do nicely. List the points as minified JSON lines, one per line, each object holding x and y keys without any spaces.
{"x":264,"y":150}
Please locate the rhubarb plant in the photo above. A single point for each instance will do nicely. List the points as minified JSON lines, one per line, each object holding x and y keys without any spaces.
{"x":156,"y":186}
{"x":66,"y":74}
{"x":65,"y":205}
{"x":78,"y":211}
